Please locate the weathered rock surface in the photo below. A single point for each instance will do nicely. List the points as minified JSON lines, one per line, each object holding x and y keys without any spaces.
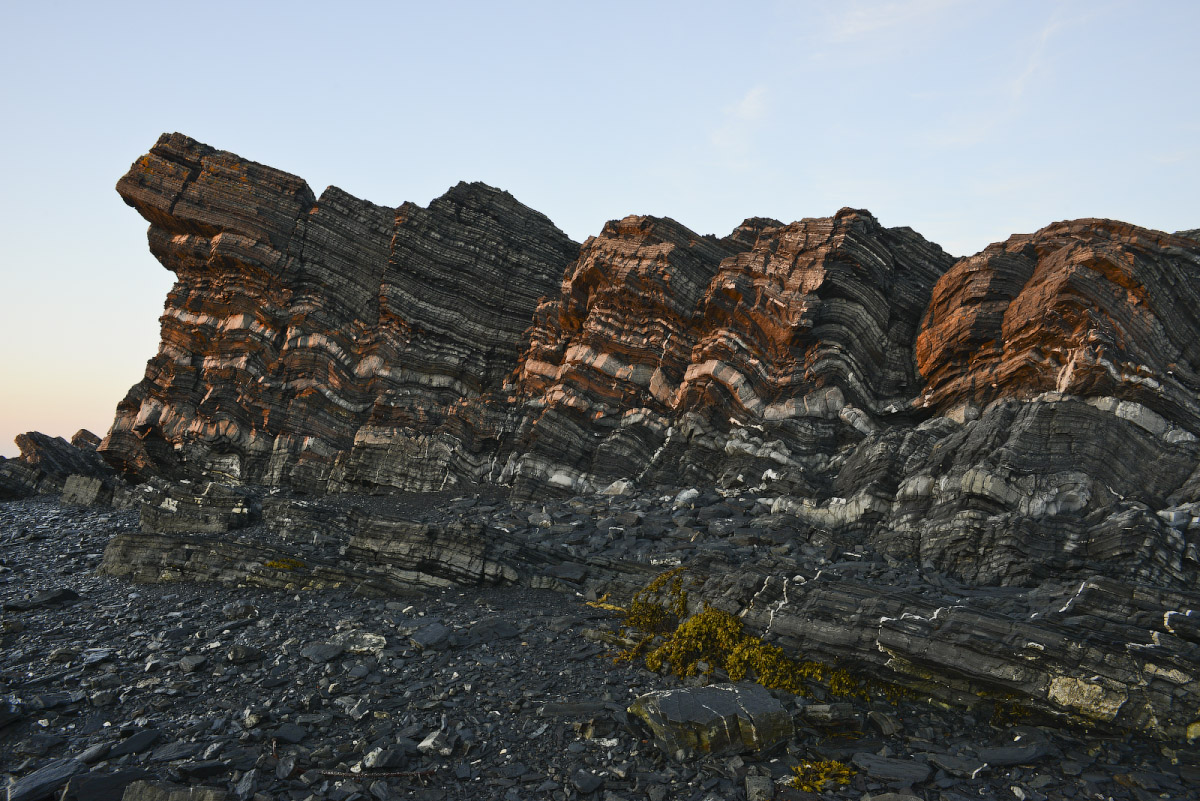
{"x":47,"y":462}
{"x":1027,"y":411}
{"x":680,"y":358}
{"x":244,"y":692}
{"x":302,"y":326}
{"x":718,"y":719}
{"x":1116,"y":652}
{"x":975,"y":479}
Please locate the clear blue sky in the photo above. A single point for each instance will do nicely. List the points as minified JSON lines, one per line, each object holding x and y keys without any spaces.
{"x":967,"y":121}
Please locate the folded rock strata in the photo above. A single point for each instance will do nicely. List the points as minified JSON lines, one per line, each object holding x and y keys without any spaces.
{"x":1023,"y":419}
{"x":1119,"y":652}
{"x":665,"y":344}
{"x":300,"y":327}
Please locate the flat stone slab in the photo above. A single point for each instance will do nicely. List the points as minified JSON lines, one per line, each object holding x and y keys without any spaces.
{"x":1008,"y":755}
{"x":45,"y":780}
{"x":719,"y":719}
{"x":898,"y":771}
{"x":960,"y":767}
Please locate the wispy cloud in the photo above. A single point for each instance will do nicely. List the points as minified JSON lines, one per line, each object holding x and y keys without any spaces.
{"x":1174,"y":157}
{"x":1005,"y":101}
{"x":859,"y":20}
{"x":733,"y":137}
{"x":1035,"y":59}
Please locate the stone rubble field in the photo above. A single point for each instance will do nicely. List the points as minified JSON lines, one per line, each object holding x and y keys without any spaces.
{"x":189,"y":690}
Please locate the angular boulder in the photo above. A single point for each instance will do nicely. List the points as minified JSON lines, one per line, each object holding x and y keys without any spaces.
{"x":717,"y":719}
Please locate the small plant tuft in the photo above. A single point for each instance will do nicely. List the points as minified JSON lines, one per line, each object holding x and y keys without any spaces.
{"x":813,"y":776}
{"x":713,"y":639}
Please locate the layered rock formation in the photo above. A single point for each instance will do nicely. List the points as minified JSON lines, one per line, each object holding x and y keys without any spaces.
{"x":1025,"y":417}
{"x":46,"y":463}
{"x":300,"y":325}
{"x":994,"y":418}
{"x":684,"y":357}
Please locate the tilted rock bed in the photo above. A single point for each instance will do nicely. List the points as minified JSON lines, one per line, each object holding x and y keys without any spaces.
{"x":497,"y":691}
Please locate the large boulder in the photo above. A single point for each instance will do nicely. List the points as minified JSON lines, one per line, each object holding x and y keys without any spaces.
{"x":717,"y":719}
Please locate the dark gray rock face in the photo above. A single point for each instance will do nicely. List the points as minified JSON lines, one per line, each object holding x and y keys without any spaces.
{"x":210,"y":508}
{"x":42,"y":783}
{"x":1118,"y":652}
{"x":1097,"y":648}
{"x":502,"y":692}
{"x":46,"y":463}
{"x":879,"y":390}
{"x":305,"y":334}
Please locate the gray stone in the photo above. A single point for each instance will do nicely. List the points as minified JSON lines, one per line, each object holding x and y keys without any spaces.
{"x":136,"y":743}
{"x":162,"y":791}
{"x":831,"y":715}
{"x":961,"y":767}
{"x":290,"y":732}
{"x":95,"y":753}
{"x":246,"y":786}
{"x":211,"y":508}
{"x":59,"y":596}
{"x":106,"y":786}
{"x":202,"y":769}
{"x":380,"y":758}
{"x":896,"y":771}
{"x":243,"y":654}
{"x":436,"y":743}
{"x":172,"y":752}
{"x":81,"y":490}
{"x":759,"y":788}
{"x":586,"y":782}
{"x":431,"y":637}
{"x":719,"y":719}
{"x":1007,"y":755}
{"x":321,"y":652}
{"x":490,"y":630}
{"x":191,"y":663}
{"x":44,"y":781}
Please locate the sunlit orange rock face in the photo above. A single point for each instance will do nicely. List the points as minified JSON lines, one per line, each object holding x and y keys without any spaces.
{"x":817,"y":304}
{"x":1086,"y":308}
{"x":623,"y":327}
{"x":659,"y":330}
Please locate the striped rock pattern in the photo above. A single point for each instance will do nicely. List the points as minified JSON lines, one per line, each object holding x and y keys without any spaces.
{"x":298,"y":324}
{"x":1025,"y":411}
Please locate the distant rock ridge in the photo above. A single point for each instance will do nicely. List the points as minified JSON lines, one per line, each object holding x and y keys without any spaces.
{"x":1024,"y":411}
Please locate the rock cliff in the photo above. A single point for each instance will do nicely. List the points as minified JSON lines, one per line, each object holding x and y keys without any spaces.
{"x":1023,"y":420}
{"x":999,"y":418}
{"x":300,"y":327}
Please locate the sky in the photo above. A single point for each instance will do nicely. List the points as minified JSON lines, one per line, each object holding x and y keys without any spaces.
{"x":967,"y":121}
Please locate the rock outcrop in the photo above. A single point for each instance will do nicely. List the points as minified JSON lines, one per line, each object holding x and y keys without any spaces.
{"x":672,"y":357}
{"x":300,"y":327}
{"x":1019,"y":425}
{"x":719,"y":719}
{"x":47,"y":462}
